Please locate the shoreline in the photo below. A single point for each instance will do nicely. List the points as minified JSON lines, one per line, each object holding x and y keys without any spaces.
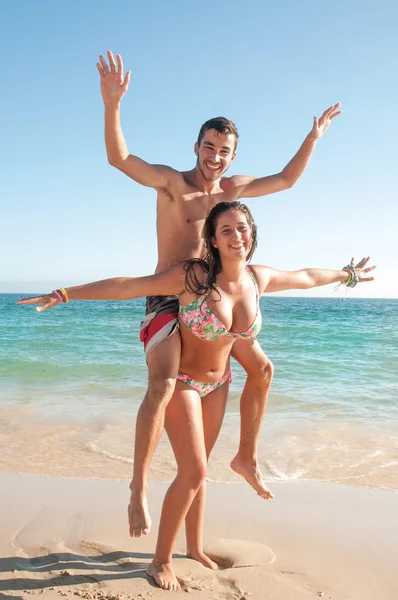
{"x":290,"y":449}
{"x":236,"y":481}
{"x":66,"y":536}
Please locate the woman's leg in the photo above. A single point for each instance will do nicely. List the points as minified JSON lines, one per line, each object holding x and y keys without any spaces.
{"x":184,"y":427}
{"x":213,"y":410}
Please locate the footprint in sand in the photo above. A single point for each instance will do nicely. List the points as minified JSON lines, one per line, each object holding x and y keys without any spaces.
{"x":194,"y":577}
{"x":230,"y":554}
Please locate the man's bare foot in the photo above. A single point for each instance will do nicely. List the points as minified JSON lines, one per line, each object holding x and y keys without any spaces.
{"x":252,"y":474}
{"x":204,"y":559}
{"x":164,"y":576}
{"x":139,"y":519}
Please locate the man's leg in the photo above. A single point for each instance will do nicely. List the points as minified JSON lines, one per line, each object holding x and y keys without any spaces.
{"x":163,"y":363}
{"x":253,"y":402}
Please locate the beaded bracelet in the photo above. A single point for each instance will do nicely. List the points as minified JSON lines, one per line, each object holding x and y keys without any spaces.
{"x":353,"y":276}
{"x":352,"y":280}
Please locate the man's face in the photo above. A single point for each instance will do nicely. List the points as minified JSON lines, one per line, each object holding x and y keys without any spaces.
{"x":215,"y":153}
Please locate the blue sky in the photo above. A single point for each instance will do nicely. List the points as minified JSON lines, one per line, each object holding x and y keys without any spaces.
{"x":68,"y":217}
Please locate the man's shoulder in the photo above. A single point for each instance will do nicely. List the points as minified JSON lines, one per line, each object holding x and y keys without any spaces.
{"x":171,"y":172}
{"x":235,"y":181}
{"x":172,"y":178}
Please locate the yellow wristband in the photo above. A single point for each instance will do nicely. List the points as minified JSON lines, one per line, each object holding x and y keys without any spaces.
{"x":63,"y":290}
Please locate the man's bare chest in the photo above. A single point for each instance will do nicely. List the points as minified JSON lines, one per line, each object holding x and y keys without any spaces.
{"x":194,"y":207}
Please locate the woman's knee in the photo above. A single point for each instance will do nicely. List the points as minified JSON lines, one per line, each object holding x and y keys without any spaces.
{"x":193,"y":474}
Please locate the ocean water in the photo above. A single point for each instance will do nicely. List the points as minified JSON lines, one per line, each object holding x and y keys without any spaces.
{"x":72,"y":378}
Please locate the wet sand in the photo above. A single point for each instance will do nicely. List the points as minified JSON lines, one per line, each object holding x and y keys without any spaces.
{"x":100,"y":445}
{"x":69,"y":537}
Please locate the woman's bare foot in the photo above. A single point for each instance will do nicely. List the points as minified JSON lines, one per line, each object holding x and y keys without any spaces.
{"x":252,"y":474}
{"x":204,"y":559}
{"x":163,"y":575}
{"x":139,"y":519}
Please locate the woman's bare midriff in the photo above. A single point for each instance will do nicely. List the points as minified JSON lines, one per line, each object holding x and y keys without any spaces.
{"x":203,"y":360}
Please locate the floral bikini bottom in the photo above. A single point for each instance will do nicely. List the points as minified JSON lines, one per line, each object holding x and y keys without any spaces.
{"x":201,"y":387}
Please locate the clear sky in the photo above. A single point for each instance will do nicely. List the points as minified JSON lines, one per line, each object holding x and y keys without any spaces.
{"x":68,"y":217}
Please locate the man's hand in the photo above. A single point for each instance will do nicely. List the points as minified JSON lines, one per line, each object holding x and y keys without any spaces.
{"x":113,"y":85}
{"x":321,"y":125}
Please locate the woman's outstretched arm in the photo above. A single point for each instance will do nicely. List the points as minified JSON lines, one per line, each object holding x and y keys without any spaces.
{"x":272,"y":280}
{"x":168,"y":282}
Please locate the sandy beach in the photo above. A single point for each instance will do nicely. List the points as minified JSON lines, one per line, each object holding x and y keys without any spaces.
{"x":68,"y":537}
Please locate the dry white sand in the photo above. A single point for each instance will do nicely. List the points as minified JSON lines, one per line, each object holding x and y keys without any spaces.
{"x":68,"y":537}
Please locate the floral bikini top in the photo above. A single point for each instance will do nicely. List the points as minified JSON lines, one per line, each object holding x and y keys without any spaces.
{"x":203,"y":323}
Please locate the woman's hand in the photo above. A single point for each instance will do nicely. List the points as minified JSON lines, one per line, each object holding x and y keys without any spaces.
{"x":362,"y":271}
{"x":46,"y":301}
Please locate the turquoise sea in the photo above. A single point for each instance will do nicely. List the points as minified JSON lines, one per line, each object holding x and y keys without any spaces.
{"x":72,"y":378}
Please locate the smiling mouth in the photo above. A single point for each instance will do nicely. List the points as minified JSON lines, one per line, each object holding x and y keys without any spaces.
{"x":213,"y":167}
{"x":237,"y":247}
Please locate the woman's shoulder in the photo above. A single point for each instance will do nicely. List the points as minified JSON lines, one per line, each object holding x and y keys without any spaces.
{"x":261,"y":274}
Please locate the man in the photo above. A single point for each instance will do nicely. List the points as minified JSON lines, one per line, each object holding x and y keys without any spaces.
{"x":184,"y":199}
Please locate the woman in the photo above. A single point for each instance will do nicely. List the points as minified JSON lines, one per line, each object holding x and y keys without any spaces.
{"x":219,"y":302}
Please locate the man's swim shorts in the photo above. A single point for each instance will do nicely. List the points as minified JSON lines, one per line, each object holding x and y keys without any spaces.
{"x":160,"y":321}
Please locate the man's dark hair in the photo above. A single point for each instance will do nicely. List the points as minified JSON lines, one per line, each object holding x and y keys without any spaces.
{"x":220,"y":124}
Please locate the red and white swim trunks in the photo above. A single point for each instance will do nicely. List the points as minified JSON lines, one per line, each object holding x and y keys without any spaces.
{"x":160,"y":321}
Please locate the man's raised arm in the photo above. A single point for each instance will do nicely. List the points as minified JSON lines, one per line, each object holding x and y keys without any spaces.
{"x":113,"y":87}
{"x":251,"y":187}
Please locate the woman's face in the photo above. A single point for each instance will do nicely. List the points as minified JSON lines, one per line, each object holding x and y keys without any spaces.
{"x":233,"y":237}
